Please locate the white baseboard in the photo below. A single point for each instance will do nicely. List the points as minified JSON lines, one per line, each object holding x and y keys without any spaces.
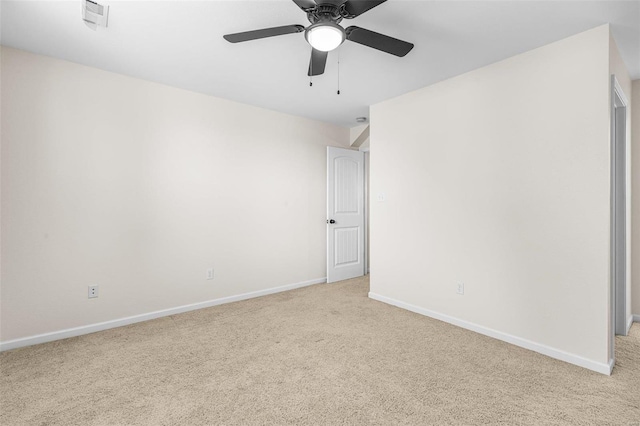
{"x":92,"y":328}
{"x":604,"y":368}
{"x":629,"y":323}
{"x":636,"y":318}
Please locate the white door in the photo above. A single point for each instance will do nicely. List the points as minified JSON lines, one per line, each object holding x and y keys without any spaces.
{"x":345,"y":214}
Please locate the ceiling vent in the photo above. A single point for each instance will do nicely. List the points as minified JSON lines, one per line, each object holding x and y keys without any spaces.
{"x":94,"y":15}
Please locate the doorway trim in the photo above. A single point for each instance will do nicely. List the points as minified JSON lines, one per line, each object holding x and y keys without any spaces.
{"x":619,"y":202}
{"x":367,"y":159}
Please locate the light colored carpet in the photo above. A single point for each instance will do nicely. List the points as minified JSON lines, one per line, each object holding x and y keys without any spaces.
{"x":324,"y":354}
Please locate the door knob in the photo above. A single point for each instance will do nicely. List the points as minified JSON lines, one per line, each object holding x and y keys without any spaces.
{"x":331,"y":221}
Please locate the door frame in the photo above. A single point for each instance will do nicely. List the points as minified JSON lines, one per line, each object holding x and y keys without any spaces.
{"x":367,"y":159}
{"x":618,"y":246}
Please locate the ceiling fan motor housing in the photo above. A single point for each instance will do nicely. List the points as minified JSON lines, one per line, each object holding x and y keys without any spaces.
{"x":325,"y":12}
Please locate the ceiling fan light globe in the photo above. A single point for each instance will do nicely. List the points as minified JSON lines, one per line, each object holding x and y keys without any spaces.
{"x":325,"y":36}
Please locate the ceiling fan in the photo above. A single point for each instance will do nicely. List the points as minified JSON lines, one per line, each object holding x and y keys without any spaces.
{"x":324,"y":34}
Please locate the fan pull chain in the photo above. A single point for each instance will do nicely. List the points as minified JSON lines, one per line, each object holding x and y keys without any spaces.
{"x":338,"y":71}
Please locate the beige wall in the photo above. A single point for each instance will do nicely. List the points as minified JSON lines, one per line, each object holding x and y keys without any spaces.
{"x":139,"y":188}
{"x":618,"y":68}
{"x":499,"y":178}
{"x":635,"y":188}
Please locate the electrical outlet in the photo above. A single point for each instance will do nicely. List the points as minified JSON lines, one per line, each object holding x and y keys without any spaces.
{"x":93,"y":291}
{"x":460,"y":288}
{"x":210,"y":273}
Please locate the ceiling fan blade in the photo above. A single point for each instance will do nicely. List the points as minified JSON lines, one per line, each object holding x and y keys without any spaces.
{"x":358,"y":7}
{"x":263,"y":33}
{"x":305,"y":4}
{"x":317,"y":62}
{"x":378,"y":41}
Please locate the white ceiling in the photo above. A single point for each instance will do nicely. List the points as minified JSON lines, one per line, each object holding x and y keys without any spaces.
{"x":180,"y":43}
